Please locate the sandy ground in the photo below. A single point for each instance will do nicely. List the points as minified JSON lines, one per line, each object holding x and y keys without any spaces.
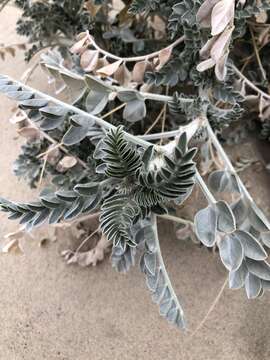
{"x":53,"y":311}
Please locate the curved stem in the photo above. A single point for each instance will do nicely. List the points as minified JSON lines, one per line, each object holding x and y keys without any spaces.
{"x":163,"y":267}
{"x":250,"y":83}
{"x":176,"y":219}
{"x":134,"y":58}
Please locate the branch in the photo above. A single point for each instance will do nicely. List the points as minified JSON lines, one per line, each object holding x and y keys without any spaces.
{"x":134,"y":58}
{"x":250,"y":83}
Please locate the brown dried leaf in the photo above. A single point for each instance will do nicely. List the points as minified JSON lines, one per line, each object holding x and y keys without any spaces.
{"x":53,"y":155}
{"x":222,"y":15}
{"x":87,"y":258}
{"x":220,"y":46}
{"x":139,"y":71}
{"x":18,"y":117}
{"x":79,"y":45}
{"x":89,"y":60}
{"x":123,"y":75}
{"x":29,"y":132}
{"x":110,"y":69}
{"x":205,"y":65}
{"x":66,"y":163}
{"x":220,"y":68}
{"x":204,"y":13}
{"x":164,"y":56}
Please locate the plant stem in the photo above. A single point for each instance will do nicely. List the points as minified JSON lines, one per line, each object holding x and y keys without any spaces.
{"x":210,"y":198}
{"x":209,"y":310}
{"x":145,"y":95}
{"x":257,"y":53}
{"x":134,"y":58}
{"x":163,"y":267}
{"x":176,"y":219}
{"x":250,"y":83}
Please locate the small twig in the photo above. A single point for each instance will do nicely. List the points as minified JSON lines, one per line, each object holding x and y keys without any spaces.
{"x":42,"y":170}
{"x":212,"y":307}
{"x":257,"y":54}
{"x":134,"y":58}
{"x":85,"y":240}
{"x":164,"y":116}
{"x":155,"y":122}
{"x":50,"y":150}
{"x":113,"y":111}
{"x":177,"y":219}
{"x":250,"y":83}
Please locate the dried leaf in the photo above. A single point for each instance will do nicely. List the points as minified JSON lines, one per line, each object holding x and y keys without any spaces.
{"x":29,"y":132}
{"x":89,"y":60}
{"x":110,"y":69}
{"x":123,"y":75}
{"x":78,"y":47}
{"x":91,"y":257}
{"x":204,"y":13}
{"x":139,"y":71}
{"x":164,"y":56}
{"x":222,"y":15}
{"x":66,"y":163}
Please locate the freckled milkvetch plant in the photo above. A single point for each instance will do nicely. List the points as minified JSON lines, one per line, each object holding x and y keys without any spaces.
{"x":134,"y":134}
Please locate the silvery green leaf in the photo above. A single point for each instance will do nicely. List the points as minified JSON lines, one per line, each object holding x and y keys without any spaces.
{"x":56,"y":214}
{"x":231,"y":252}
{"x":135,"y":110}
{"x":92,"y":202}
{"x":253,"y":286}
{"x":53,"y":111}
{"x":74,"y":210}
{"x":259,"y":268}
{"x":240,"y":210}
{"x":96,"y":101}
{"x":75,"y":85}
{"x":87,"y":189}
{"x":182,"y":143}
{"x":226,"y":220}
{"x":129,"y":95}
{"x":256,"y":221}
{"x":150,"y":261}
{"x":205,"y":222}
{"x":41,"y":217}
{"x":20,"y":95}
{"x":237,"y":277}
{"x":265,"y":236}
{"x":152,"y":281}
{"x":79,"y":120}
{"x":159,"y":291}
{"x":66,"y":195}
{"x":74,"y":135}
{"x":33,"y":103}
{"x":252,"y":248}
{"x":223,"y":180}
{"x":95,"y":84}
{"x":165,"y":307}
{"x":148,"y":155}
{"x":50,"y":123}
